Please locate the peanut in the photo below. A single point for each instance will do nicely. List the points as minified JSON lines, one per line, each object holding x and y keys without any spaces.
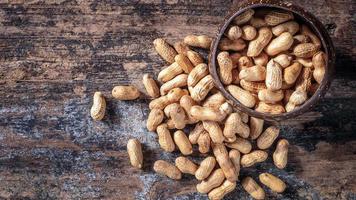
{"x":165,"y":50}
{"x":256,"y":46}
{"x":173,"y":95}
{"x":256,"y":127}
{"x":205,"y":168}
{"x":244,"y":62}
{"x":181,"y":48}
{"x":240,"y":144}
{"x":319,"y":63}
{"x":298,"y":97}
{"x":249,"y":32}
{"x":302,"y":38}
{"x":253,"y":188}
{"x":219,"y":192}
{"x":304,"y":80}
{"x":274,"y":76}
{"x":270,"y":108}
{"x":235,"y":156}
{"x":269,"y":96}
{"x":214,"y":101}
{"x":273,"y":182}
{"x":290,"y":107}
{"x":253,"y":87}
{"x":254,"y":73}
{"x":315,"y":40}
{"x":257,"y":22}
{"x":135,"y":153}
{"x":201,"y":41}
{"x":280,"y":155}
{"x":305,"y":50}
{"x":202,"y":88}
{"x":195,"y":58}
{"x":291,"y":27}
{"x":283,"y":60}
{"x":182,"y":142}
{"x":222,"y":157}
{"x":185,"y":165}
{"x":234,"y":33}
{"x":234,"y":125}
{"x":244,"y":17}
{"x":292,"y":72}
{"x":305,"y":62}
{"x":214,"y":180}
{"x":97,"y":111}
{"x":275,"y":17}
{"x":164,"y":138}
{"x":225,"y":67}
{"x":177,"y":114}
{"x":231,"y":45}
{"x":167,"y":169}
{"x":243,"y":96}
{"x":184,"y":63}
{"x":204,"y":142}
{"x":195,"y":133}
{"x":187,"y":102}
{"x":125,"y":92}
{"x":169,"y":72}
{"x":261,"y":59}
{"x":177,"y":82}
{"x":154,"y":119}
{"x":199,"y":72}
{"x":268,"y":137}
{"x":214,"y":130}
{"x":206,"y":113}
{"x":253,"y":157}
{"x":279,"y":44}
{"x":150,"y":86}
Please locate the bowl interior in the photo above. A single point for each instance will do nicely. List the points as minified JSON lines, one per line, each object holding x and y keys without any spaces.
{"x":302,"y":17}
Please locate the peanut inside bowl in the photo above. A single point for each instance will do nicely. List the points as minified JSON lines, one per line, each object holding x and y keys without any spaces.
{"x":272,"y":61}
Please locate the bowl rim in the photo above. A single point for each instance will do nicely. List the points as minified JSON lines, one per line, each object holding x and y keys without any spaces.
{"x":312,"y":22}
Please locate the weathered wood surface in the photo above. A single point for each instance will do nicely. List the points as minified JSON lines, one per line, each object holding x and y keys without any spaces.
{"x":56,"y":53}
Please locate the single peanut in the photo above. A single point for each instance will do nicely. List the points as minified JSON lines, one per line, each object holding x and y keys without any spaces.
{"x":216,"y":178}
{"x":199,"y":72}
{"x":253,"y":87}
{"x":231,"y":45}
{"x":214,"y":130}
{"x":187,"y":102}
{"x":256,"y":127}
{"x":240,"y":144}
{"x":244,"y":17}
{"x":268,"y":137}
{"x":254,"y":157}
{"x":219,"y":192}
{"x":275,"y":17}
{"x":304,"y":80}
{"x":305,"y":62}
{"x":244,"y":62}
{"x":292,"y":72}
{"x":165,"y":50}
{"x":305,"y":50}
{"x":253,"y":188}
{"x":169,"y":72}
{"x":164,"y":138}
{"x":195,"y":58}
{"x":177,"y":82}
{"x":254,"y":73}
{"x":154,"y":119}
{"x":261,"y":59}
{"x":185,"y":165}
{"x":235,"y":157}
{"x":270,"y":108}
{"x":206,"y":113}
{"x":151,"y":86}
{"x":279,"y":44}
{"x":274,"y":76}
{"x":125,"y":92}
{"x":195,"y":133}
{"x":256,"y":46}
{"x":214,"y":101}
{"x":204,"y":142}
{"x":181,"y":47}
{"x":283,"y":60}
{"x":202,"y":88}
{"x":249,"y":32}
{"x":243,"y":96}
{"x":167,"y":169}
{"x":290,"y":107}
{"x":225,"y":67}
{"x":184,"y":63}
{"x":280,"y":155}
{"x":291,"y":27}
{"x":135,"y":153}
{"x":234,"y":33}
{"x":177,"y":114}
{"x":201,"y":41}
{"x":222,"y":157}
{"x":269,"y":96}
{"x":257,"y":22}
{"x":319,"y":63}
{"x":205,"y":168}
{"x":97,"y":111}
{"x":315,"y":39}
{"x":182,"y":142}
{"x":273,"y":182}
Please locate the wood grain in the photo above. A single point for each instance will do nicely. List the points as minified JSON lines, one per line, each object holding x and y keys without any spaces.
{"x":55,"y":54}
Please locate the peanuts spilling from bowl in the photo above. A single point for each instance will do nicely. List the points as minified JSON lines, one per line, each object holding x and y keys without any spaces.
{"x":268,"y":62}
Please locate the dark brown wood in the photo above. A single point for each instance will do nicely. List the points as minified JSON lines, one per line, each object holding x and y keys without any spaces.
{"x":55,"y":54}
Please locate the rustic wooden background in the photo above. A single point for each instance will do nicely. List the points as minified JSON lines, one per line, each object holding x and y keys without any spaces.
{"x":55,"y":53}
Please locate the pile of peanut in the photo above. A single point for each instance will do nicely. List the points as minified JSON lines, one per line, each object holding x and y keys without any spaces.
{"x":185,"y":100}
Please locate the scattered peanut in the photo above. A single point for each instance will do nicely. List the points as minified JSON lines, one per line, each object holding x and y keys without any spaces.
{"x":165,"y":50}
{"x":135,"y":153}
{"x":214,"y":180}
{"x":151,"y":86}
{"x":167,"y":169}
{"x":154,"y":119}
{"x":125,"y":92}
{"x":273,"y":182}
{"x":201,"y":41}
{"x":252,"y":158}
{"x":253,"y":188}
{"x":182,"y":142}
{"x":219,"y":192}
{"x":97,"y":111}
{"x":268,"y":137}
{"x":164,"y":138}
{"x":222,"y":157}
{"x":205,"y":168}
{"x":185,"y":165}
{"x":240,"y":144}
{"x":280,"y":155}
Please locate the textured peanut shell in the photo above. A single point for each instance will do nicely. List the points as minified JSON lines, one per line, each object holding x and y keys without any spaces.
{"x":319,"y":62}
{"x":182,"y":142}
{"x":205,"y":168}
{"x":181,"y":47}
{"x":274,"y":76}
{"x":177,"y":114}
{"x":177,"y":82}
{"x":214,"y":101}
{"x":249,"y":32}
{"x":154,"y":119}
{"x":305,"y":62}
{"x":261,"y":59}
{"x":150,"y":86}
{"x":206,"y":113}
{"x":187,"y":102}
{"x":197,"y":74}
{"x":256,"y":127}
{"x":298,"y":97}
{"x":257,"y":22}
{"x":244,"y":17}
{"x":185,"y":165}
{"x":235,"y":157}
{"x":253,"y":157}
{"x":254,"y":73}
{"x":184,"y":63}
{"x":226,"y":44}
{"x":204,"y":142}
{"x":219,"y":192}
{"x":214,"y":130}
{"x":135,"y":153}
{"x":243,"y":96}
{"x":195,"y":133}
{"x":234,"y":33}
{"x":283,"y":60}
{"x":169,"y":72}
{"x":253,"y":188}
{"x":202,"y":88}
{"x":269,"y":96}
{"x":275,"y":17}
{"x":280,"y":155}
{"x":304,"y":80}
{"x":269,"y":108}
{"x":201,"y":41}
{"x":97,"y":111}
{"x":167,"y":169}
{"x":244,"y":62}
{"x":165,"y":50}
{"x":291,"y":27}
{"x":300,"y":38}
{"x":279,"y":44}
{"x":267,"y":138}
{"x":222,"y":157}
{"x":128,"y":92}
{"x":214,"y":180}
{"x":314,"y":39}
{"x":292,"y":72}
{"x":305,"y":50}
{"x":195,"y":58}
{"x":256,"y":46}
{"x":273,"y":182}
{"x":225,"y":67}
{"x":253,"y":87}
{"x":164,"y":138}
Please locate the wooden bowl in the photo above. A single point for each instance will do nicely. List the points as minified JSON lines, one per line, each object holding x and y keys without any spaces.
{"x":301,"y":16}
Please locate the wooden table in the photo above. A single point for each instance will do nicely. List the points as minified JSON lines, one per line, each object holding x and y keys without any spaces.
{"x":56,"y":53}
